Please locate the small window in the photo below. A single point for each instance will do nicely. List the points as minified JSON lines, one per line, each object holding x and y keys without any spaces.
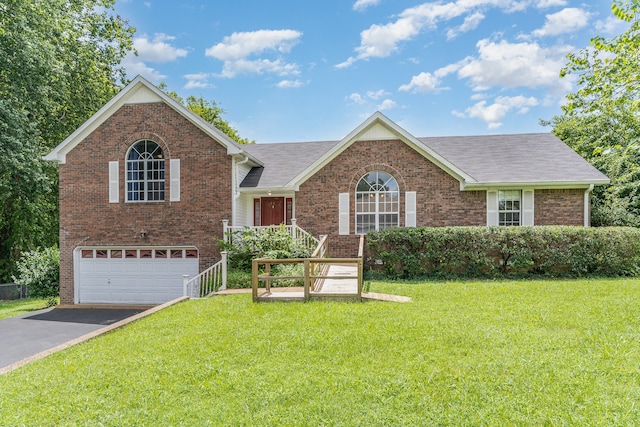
{"x":509,"y":207}
{"x":288,"y":210}
{"x":145,"y":253}
{"x":131,"y":253}
{"x":87,"y":253}
{"x":116,"y":253}
{"x":161,"y":253}
{"x":145,"y":172}
{"x":176,"y":253}
{"x":256,"y":212}
{"x":191,"y":253}
{"x":101,"y":253}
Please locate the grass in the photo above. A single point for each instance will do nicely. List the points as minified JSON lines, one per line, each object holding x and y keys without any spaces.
{"x":463,"y":353}
{"x":21,"y":306}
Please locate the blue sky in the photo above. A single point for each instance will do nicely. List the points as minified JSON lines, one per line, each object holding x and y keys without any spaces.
{"x":311,"y":70}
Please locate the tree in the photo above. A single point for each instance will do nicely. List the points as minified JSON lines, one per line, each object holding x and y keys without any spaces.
{"x":601,"y":120}
{"x":209,"y":111}
{"x":59,"y":63}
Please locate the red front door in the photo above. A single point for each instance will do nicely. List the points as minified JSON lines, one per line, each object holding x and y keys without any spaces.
{"x":272,"y":211}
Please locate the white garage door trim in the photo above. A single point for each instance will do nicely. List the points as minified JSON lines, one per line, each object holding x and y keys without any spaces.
{"x":131,"y":275}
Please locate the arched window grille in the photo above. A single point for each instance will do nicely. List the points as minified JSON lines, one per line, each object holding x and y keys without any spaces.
{"x":377,"y":202}
{"x":145,"y":172}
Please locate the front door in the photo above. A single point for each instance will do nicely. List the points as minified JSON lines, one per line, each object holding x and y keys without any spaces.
{"x":272,"y":210}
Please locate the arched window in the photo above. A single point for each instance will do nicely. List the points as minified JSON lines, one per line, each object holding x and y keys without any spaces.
{"x":377,"y":202}
{"x":145,"y":172}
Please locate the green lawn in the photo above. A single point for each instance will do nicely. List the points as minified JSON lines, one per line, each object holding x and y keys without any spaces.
{"x":482,"y":353}
{"x":21,"y":306}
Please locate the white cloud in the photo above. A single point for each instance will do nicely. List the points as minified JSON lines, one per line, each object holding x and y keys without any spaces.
{"x":543,"y":4}
{"x":376,"y":94}
{"x":197,"y":81}
{"x":422,"y":83}
{"x":363,"y":4}
{"x":147,"y":3}
{"x":611,"y":26}
{"x":471,"y":22}
{"x":566,"y":21}
{"x":492,"y":114}
{"x":157,"y":49}
{"x":511,"y":65}
{"x":135,"y":67}
{"x":234,"y":51}
{"x":387,"y":104}
{"x":287,"y":84}
{"x":380,"y":41}
{"x":357,"y":98}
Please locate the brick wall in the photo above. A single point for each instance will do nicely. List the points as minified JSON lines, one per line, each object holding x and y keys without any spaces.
{"x":88,"y":219}
{"x":559,"y":207}
{"x":439,"y":199}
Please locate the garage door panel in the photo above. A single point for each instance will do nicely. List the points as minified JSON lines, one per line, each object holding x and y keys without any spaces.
{"x":131,"y":280}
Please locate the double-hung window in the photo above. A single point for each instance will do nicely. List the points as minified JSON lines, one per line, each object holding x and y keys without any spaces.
{"x":509,"y":207}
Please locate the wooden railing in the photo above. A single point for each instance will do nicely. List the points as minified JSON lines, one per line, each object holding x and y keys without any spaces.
{"x":314,"y":271}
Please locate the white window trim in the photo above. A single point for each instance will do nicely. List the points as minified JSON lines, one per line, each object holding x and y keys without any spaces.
{"x":145,"y":181}
{"x":377,"y":212}
{"x":527,"y":207}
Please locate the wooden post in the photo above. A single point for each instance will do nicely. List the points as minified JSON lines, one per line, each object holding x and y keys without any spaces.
{"x":307,"y":280}
{"x":254,"y":280}
{"x":267,"y":270}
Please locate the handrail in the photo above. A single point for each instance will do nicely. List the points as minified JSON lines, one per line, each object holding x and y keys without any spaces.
{"x":293,"y":230}
{"x":311,"y":274}
{"x":211,"y":280}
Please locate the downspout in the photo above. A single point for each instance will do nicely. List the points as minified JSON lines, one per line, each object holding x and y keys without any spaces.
{"x":237,"y":195}
{"x":587,"y":206}
{"x":235,"y":191}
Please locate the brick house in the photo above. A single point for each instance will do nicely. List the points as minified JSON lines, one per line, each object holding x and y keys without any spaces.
{"x":145,"y":185}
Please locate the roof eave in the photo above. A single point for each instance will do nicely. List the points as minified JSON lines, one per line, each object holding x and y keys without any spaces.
{"x":471,"y":186}
{"x":59,"y":153}
{"x":401,"y":133}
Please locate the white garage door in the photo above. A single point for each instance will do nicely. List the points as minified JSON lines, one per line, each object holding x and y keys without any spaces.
{"x":132,"y":275}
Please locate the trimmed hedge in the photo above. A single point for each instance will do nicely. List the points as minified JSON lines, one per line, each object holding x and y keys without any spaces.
{"x":489,"y":252}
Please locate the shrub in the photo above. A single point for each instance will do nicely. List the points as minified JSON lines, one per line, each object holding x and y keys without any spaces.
{"x":40,"y":271}
{"x":470,"y":252}
{"x":250,"y":243}
{"x":238,"y":279}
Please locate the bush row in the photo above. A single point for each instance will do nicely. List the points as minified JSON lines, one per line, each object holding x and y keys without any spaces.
{"x":487,"y":252}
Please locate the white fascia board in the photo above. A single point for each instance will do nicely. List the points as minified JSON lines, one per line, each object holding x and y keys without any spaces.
{"x":541,"y":185}
{"x":59,"y":153}
{"x":402,"y":135}
{"x":262,"y":191}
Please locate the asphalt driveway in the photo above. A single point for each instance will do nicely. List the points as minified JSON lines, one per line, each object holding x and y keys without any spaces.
{"x":29,"y":334}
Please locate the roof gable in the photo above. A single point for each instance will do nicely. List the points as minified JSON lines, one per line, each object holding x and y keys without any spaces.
{"x":140,"y":91}
{"x":379,"y":127}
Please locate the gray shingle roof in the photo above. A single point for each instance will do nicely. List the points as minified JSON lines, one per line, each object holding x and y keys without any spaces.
{"x":532,"y":157}
{"x":515,"y":158}
{"x":282,"y":161}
